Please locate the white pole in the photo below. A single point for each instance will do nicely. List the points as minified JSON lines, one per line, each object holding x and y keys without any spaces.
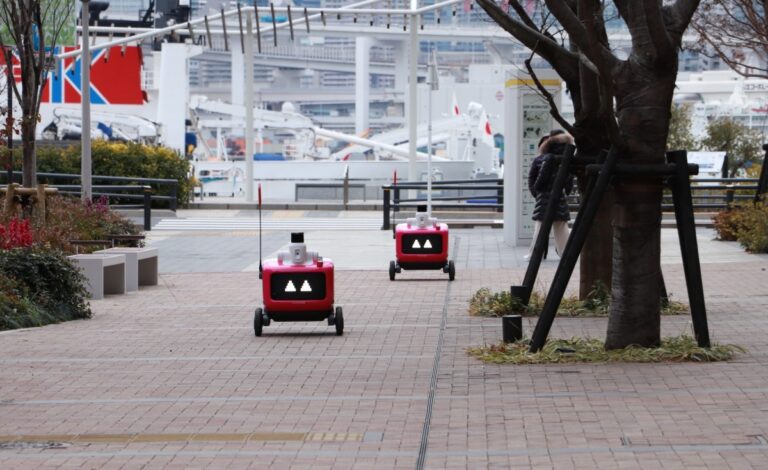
{"x":249,"y":137}
{"x":85,"y":94}
{"x":413,"y":77}
{"x":362,"y":83}
{"x":429,"y":147}
{"x":432,"y":86}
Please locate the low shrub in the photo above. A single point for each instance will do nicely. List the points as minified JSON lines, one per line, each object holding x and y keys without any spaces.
{"x":728,"y":223}
{"x":746,"y":224}
{"x":681,"y":348}
{"x":753,"y":234}
{"x":69,"y":219}
{"x":485,"y":303}
{"x":119,"y":159}
{"x":39,"y":287}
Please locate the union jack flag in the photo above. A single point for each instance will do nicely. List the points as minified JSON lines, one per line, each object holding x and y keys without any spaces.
{"x":115,"y":77}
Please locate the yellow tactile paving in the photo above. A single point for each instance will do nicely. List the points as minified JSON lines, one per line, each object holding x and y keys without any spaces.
{"x":287,"y":214}
{"x":207,"y":437}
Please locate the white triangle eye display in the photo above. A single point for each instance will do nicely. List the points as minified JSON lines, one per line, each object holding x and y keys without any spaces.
{"x":425,"y":244}
{"x":297,"y":286}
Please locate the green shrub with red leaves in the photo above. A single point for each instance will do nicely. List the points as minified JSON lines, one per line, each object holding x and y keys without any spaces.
{"x":38,"y":284}
{"x":69,"y":219}
{"x":16,"y":234}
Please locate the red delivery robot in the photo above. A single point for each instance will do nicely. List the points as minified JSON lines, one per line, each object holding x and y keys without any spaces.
{"x":298,"y":286}
{"x":421,"y":243}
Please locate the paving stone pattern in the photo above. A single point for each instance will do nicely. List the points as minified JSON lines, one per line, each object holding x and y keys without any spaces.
{"x":173,"y":377}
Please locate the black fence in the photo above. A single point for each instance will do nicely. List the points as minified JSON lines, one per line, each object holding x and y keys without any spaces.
{"x":120,"y":196}
{"x":478,"y":194}
{"x":485,"y":194}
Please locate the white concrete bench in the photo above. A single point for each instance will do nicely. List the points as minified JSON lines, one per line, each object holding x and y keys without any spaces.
{"x":140,"y":265}
{"x":104,"y":273}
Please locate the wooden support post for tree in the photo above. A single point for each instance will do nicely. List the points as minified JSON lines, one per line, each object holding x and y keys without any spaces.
{"x":686,"y":231}
{"x":10,"y":200}
{"x":571,"y":253}
{"x":38,"y":209}
{"x":542,"y":238}
{"x":37,"y":199}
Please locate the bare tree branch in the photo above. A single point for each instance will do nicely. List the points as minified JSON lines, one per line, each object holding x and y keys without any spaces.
{"x":524,"y":17}
{"x":734,"y":31}
{"x":658,"y":31}
{"x":553,"y":110}
{"x":563,"y":60}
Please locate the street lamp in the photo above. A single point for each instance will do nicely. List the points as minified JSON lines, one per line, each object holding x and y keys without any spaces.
{"x":433,"y":85}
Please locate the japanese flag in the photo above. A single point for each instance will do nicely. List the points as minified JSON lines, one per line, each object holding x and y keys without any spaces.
{"x":486,"y":135}
{"x":455,"y":107}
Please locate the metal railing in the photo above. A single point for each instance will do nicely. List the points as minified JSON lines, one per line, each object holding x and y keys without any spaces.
{"x":714,"y":193}
{"x":491,"y":196}
{"x":139,"y":191}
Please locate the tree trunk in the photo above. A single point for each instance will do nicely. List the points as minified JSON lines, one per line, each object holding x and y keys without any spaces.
{"x":597,"y":253}
{"x":29,"y":111}
{"x":29,"y":167}
{"x":635,"y":308}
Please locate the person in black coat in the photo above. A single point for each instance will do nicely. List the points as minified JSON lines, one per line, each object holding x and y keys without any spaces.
{"x":540,"y":180}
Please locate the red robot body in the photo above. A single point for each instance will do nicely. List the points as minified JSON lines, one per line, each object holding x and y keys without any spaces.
{"x":421,"y":243}
{"x":298,"y":286}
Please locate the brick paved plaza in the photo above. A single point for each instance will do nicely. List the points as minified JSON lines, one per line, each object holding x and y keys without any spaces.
{"x":173,"y":377}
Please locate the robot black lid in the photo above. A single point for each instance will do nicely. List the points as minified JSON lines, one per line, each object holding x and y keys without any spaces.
{"x":422,"y":208}
{"x":297,"y":237}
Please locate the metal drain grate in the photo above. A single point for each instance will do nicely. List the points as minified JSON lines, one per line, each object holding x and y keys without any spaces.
{"x":21,"y":445}
{"x":704,"y":441}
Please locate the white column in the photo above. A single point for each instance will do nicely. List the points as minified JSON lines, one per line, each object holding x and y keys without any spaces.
{"x":413,"y":75}
{"x":512,"y":165}
{"x":238,"y":76}
{"x":401,"y":67}
{"x":85,"y":94}
{"x":173,"y":84}
{"x":362,"y":83}
{"x":248,"y":102}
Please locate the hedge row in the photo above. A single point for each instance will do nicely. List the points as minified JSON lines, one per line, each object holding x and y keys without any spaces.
{"x":119,"y":159}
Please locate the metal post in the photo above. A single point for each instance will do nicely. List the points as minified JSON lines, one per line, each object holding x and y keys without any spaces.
{"x":571,"y":253}
{"x":512,"y":328}
{"x":174,"y":196}
{"x":85,"y":94}
{"x":346,"y":187}
{"x":500,"y":196}
{"x":147,"y":208}
{"x":413,"y":78}
{"x":689,"y":249}
{"x":248,"y":66}
{"x":386,"y":223}
{"x":521,"y":293}
{"x":762,"y":183}
{"x":729,"y":193}
{"x":9,"y":122}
